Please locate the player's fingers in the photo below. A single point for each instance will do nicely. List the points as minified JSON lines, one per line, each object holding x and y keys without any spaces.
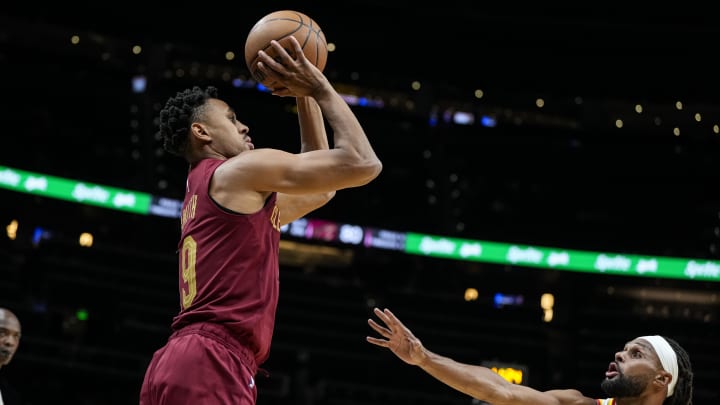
{"x":269,"y":75}
{"x":383,"y":317}
{"x":392,"y":318}
{"x":299,"y":54}
{"x":282,"y":53}
{"x":376,"y":341}
{"x":270,"y":63}
{"x":379,"y":329}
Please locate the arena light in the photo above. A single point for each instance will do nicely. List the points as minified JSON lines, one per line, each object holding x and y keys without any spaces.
{"x":513,"y":373}
{"x":471,"y":294}
{"x":11,"y":229}
{"x":547,"y":303}
{"x":463,"y":118}
{"x":86,"y":239}
{"x":502,"y":300}
{"x":488,"y":121}
{"x":40,"y":234}
{"x":139,"y":84}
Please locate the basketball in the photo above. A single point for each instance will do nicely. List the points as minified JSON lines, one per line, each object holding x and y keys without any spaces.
{"x":280,"y":25}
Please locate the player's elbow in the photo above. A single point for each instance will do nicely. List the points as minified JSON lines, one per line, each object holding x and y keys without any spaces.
{"x":348,"y":173}
{"x":373,"y":170}
{"x":368,"y":171}
{"x":326,"y":197}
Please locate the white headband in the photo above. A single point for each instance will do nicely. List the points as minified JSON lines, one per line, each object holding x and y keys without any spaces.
{"x":667,"y":356}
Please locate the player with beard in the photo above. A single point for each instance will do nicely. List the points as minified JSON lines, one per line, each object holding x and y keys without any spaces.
{"x":649,"y":370}
{"x":10,"y":331}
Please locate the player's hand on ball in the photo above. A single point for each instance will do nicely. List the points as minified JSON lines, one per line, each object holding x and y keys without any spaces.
{"x":290,"y":76}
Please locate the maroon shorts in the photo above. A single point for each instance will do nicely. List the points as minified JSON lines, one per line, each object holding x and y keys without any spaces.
{"x":201,"y":364}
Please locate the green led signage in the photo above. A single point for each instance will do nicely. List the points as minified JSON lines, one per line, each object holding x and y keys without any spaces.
{"x":562,"y":259}
{"x":411,"y":243}
{"x":75,"y":191}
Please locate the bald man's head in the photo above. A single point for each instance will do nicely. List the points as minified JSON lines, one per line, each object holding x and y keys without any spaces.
{"x":10,"y":331}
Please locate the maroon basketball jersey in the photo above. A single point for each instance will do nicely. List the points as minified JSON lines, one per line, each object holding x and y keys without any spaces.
{"x":228,"y":266}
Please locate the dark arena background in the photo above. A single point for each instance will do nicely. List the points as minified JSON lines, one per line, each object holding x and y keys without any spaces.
{"x":549,"y":192}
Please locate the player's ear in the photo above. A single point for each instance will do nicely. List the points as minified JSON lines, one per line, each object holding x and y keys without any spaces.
{"x":662,"y":379}
{"x":197,"y":130}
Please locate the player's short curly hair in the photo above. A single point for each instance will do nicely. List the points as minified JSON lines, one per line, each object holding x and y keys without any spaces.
{"x":179,"y":112}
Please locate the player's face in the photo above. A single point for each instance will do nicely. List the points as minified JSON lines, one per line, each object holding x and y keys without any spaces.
{"x":9,"y":336}
{"x":229,"y":136}
{"x":632,"y":371}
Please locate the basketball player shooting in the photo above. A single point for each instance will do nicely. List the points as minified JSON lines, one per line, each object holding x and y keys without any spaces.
{"x":237,"y":198}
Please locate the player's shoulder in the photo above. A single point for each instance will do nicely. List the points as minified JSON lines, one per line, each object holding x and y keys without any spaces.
{"x":258,"y":153}
{"x":249,"y":167}
{"x":260,"y":157}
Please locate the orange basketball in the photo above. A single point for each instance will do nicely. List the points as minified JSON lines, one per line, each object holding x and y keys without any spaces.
{"x":280,"y":25}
